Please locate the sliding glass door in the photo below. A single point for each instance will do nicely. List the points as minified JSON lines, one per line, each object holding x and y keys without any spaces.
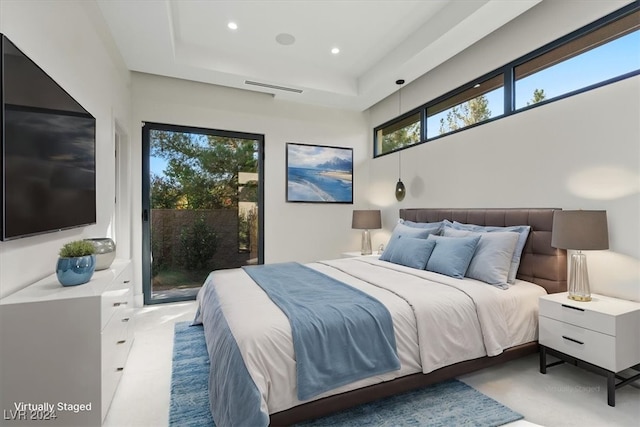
{"x":202,"y":206}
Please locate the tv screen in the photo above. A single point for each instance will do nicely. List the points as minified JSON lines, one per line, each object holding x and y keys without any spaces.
{"x":48,"y":152}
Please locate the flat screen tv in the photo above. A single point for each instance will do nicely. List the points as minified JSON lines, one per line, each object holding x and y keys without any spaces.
{"x":47,"y":152}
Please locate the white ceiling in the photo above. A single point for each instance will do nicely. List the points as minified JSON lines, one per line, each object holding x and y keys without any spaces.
{"x":380,"y":41}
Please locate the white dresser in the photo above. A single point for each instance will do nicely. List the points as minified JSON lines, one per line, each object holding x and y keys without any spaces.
{"x":602,"y":332}
{"x":63,"y":349}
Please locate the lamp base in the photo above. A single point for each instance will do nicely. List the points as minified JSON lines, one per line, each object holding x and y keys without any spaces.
{"x":578,"y":288}
{"x":366,"y":243}
{"x":579,"y":298}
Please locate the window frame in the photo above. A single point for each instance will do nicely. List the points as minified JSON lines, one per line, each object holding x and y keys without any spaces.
{"x":509,"y":82}
{"x":394,"y":121}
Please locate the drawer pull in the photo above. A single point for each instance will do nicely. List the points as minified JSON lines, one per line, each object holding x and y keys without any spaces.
{"x":124,"y":341}
{"x":126,"y":319}
{"x":572,"y":308}
{"x":573,"y":340}
{"x":127,"y":281}
{"x":119,"y":369}
{"x":118,"y":304}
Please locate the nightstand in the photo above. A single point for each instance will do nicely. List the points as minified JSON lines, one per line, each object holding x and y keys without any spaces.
{"x":356,"y":254}
{"x":602,"y":333}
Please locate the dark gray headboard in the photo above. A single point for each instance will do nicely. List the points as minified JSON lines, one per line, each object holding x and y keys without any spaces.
{"x":541,"y":264}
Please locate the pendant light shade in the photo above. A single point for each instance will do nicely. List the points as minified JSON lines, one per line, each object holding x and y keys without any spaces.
{"x":400,"y":189}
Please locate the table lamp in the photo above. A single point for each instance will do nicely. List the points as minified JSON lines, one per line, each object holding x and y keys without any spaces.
{"x":580,"y":230}
{"x":366,"y":220}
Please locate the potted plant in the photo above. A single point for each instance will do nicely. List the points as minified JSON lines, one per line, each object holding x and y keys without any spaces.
{"x":77,"y":263}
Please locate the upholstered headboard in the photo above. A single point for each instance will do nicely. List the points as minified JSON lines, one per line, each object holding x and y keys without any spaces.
{"x":540,"y":263}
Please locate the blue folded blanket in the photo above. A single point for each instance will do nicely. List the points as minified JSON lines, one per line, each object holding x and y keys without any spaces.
{"x":234,"y":399}
{"x":340,"y":334}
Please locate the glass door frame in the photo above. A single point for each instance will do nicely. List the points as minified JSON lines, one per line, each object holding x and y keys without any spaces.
{"x":146,"y":197}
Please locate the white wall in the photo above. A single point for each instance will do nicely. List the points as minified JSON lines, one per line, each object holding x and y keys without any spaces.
{"x":70,"y":42}
{"x":293,"y":231}
{"x":582,"y":152}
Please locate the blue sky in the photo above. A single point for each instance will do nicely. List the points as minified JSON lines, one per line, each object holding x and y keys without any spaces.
{"x":310,"y":156}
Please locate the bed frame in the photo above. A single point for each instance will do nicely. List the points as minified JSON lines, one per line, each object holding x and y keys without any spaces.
{"x":541,"y":264}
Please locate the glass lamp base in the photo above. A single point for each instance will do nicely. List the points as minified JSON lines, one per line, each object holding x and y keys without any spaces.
{"x":578,"y":288}
{"x":366,"y":243}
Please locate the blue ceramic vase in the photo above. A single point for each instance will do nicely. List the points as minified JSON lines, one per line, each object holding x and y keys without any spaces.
{"x":75,"y":271}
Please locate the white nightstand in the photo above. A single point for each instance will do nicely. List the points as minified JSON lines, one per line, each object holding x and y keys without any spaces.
{"x":602,"y":333}
{"x":356,"y":254}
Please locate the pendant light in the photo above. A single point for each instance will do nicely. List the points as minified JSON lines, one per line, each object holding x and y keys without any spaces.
{"x":400,"y":189}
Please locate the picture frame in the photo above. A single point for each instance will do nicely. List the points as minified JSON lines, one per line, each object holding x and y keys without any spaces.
{"x":319,"y":173}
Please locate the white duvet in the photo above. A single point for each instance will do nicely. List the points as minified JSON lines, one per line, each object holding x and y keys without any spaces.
{"x":438,"y":321}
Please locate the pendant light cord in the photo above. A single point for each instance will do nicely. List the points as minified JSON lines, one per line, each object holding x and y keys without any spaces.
{"x":400,"y":82}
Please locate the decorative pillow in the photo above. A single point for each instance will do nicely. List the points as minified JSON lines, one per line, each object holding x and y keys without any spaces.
{"x":412,"y":252}
{"x":452,"y":255}
{"x":492,"y":258}
{"x":523,"y":230}
{"x":402,"y":230}
{"x":421,"y":224}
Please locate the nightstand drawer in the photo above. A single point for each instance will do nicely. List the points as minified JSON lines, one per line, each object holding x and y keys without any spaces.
{"x":579,"y":315}
{"x":593,"y":347}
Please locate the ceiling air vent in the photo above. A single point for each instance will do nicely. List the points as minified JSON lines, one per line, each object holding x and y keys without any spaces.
{"x":288,"y":89}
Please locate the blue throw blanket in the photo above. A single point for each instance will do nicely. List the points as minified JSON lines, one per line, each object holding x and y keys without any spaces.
{"x":234,"y":399}
{"x":340,"y":334}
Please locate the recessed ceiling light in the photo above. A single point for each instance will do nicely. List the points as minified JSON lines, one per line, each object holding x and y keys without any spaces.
{"x":232,"y":25}
{"x":335,"y":51}
{"x":285,"y":39}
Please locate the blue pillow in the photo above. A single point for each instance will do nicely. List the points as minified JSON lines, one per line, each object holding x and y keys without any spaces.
{"x":421,"y":224}
{"x":412,"y":252}
{"x":523,"y":230}
{"x":492,"y":259}
{"x":402,"y":230}
{"x":452,"y":255}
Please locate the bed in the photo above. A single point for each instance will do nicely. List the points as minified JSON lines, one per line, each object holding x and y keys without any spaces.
{"x":444,"y":326}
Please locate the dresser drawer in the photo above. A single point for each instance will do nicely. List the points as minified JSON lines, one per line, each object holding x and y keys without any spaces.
{"x":114,"y":301}
{"x":578,"y":315}
{"x":113,"y":334}
{"x":593,"y":347}
{"x":117,"y":338}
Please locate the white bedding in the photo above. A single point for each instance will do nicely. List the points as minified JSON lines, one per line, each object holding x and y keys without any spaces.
{"x":438,"y":321}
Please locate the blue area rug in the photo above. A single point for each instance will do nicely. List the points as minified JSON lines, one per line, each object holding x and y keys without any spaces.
{"x":450,"y":403}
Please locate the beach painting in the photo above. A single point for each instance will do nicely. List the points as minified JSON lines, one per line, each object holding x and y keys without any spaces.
{"x":319,"y":174}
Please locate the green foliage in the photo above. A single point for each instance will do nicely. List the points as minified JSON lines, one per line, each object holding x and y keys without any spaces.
{"x":407,"y":135}
{"x":538,"y":95}
{"x":76,"y":249}
{"x":249,"y":192}
{"x":473,"y":111}
{"x":202,"y":170}
{"x":164,"y":193}
{"x":248,"y":230}
{"x":199,"y":243}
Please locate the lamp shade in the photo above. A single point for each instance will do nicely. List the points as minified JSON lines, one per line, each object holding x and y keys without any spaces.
{"x":580,"y":230}
{"x":366,"y":219}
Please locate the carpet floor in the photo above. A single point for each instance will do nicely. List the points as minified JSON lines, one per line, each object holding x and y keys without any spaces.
{"x":450,"y":403}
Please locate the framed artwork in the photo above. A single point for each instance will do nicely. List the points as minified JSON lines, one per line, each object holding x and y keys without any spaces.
{"x":319,"y":174}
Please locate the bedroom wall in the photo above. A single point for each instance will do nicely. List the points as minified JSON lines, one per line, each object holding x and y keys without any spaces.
{"x":70,"y":42}
{"x":582,"y":152}
{"x":293,"y":231}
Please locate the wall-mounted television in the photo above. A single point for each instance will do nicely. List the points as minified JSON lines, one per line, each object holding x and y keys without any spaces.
{"x":47,"y":152}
